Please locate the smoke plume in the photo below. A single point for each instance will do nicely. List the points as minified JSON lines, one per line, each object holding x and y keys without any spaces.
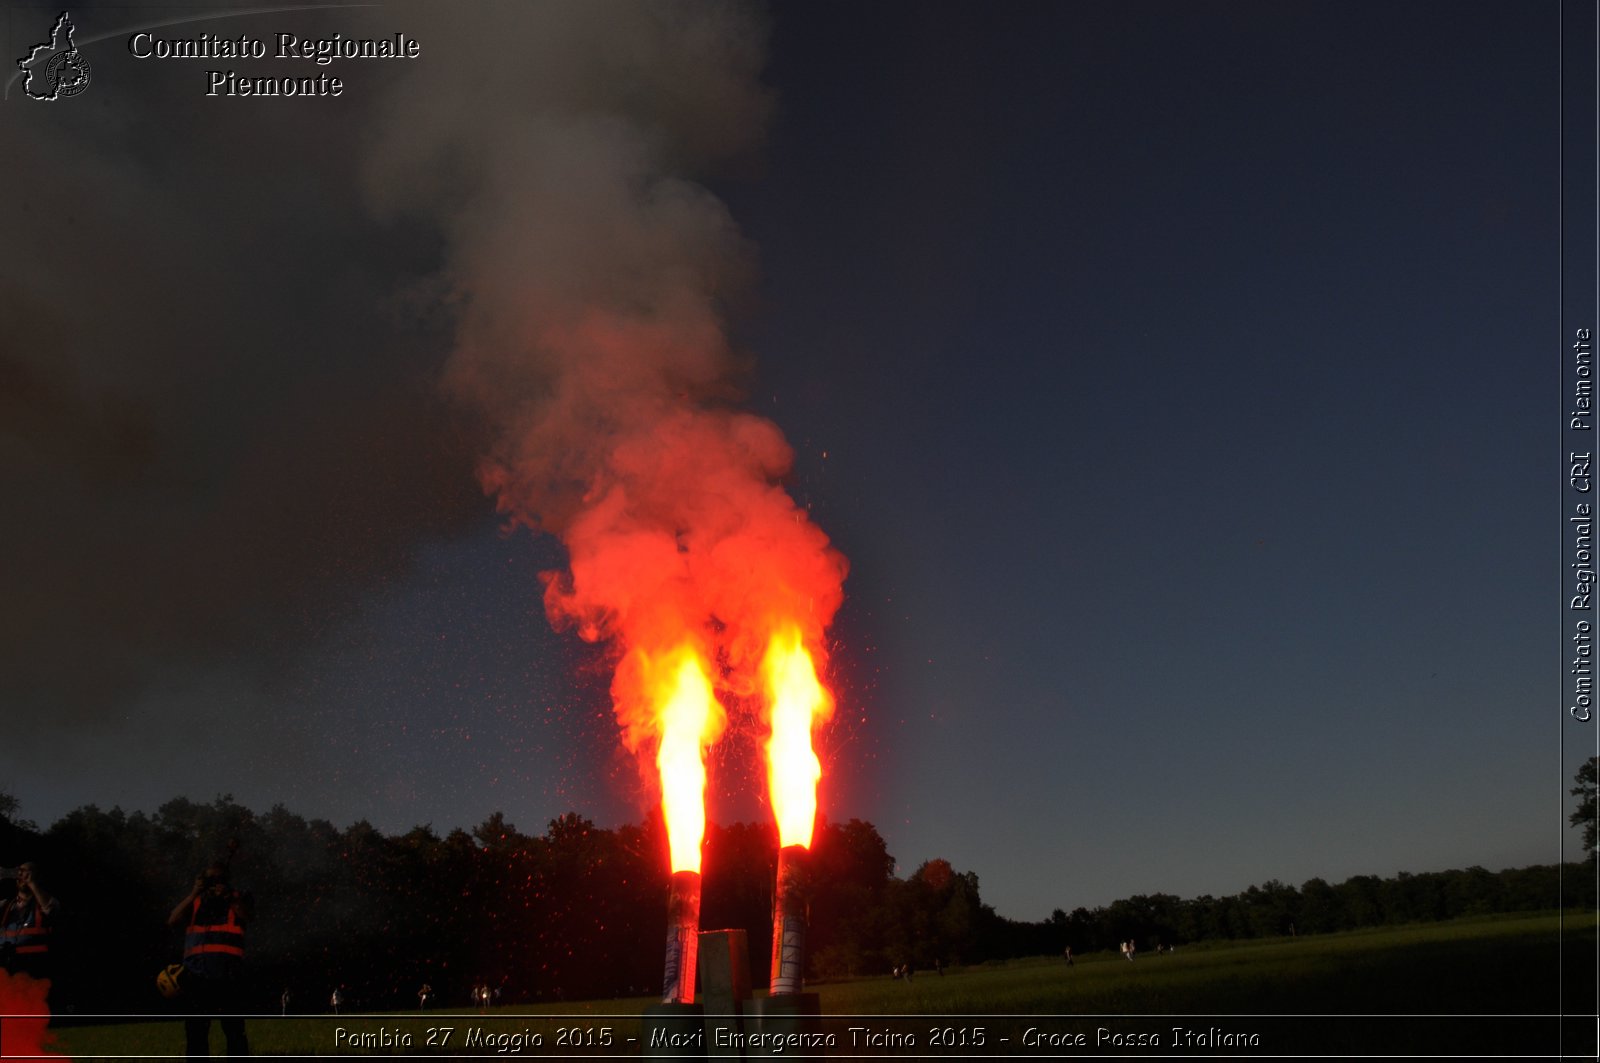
{"x":592,"y":277}
{"x":258,"y":353}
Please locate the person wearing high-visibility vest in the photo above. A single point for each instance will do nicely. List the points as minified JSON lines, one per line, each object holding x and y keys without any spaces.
{"x":213,"y":916}
{"x":25,"y":924}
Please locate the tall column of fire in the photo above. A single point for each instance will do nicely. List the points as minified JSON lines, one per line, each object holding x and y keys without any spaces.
{"x":796,"y":703}
{"x":589,"y":278}
{"x":677,"y":687}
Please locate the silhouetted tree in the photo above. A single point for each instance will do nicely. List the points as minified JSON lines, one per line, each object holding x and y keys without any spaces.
{"x":1587,"y":778}
{"x":581,"y":910}
{"x":851,"y":871}
{"x":1319,"y":908}
{"x":497,"y":835}
{"x":10,"y":809}
{"x":741,"y":865}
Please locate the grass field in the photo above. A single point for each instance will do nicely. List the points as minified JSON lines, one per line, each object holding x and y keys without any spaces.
{"x":1443,"y":989}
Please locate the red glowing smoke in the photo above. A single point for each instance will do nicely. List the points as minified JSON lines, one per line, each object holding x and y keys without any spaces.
{"x":588,"y":277}
{"x":24,"y":1017}
{"x":681,"y":532}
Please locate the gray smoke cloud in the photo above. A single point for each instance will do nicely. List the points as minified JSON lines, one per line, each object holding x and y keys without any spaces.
{"x":255,"y":352}
{"x":212,"y":423}
{"x":589,"y":271}
{"x":592,"y":277}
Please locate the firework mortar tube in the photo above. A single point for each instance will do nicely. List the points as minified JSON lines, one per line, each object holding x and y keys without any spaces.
{"x":683,"y":938}
{"x":789,"y":922}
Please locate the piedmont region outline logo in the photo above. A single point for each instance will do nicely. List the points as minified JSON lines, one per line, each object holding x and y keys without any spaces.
{"x":55,"y":69}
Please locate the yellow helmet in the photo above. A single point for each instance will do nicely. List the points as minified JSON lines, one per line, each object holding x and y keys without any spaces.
{"x":168,"y":981}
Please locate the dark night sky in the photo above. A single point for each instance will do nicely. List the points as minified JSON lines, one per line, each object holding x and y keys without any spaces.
{"x":1178,"y":380}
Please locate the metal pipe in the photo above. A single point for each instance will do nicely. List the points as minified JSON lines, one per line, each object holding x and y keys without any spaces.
{"x":789,"y":922}
{"x":683,"y":938}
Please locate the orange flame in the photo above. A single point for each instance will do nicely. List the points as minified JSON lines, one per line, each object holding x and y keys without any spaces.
{"x":797,"y":702}
{"x":677,"y":686}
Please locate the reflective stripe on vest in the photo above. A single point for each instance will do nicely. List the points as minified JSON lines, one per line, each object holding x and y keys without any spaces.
{"x":211,"y":938}
{"x":32,"y":940}
{"x":26,"y":940}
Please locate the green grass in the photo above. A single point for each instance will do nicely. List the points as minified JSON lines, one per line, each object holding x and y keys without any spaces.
{"x":1467,"y":966}
{"x":1503,"y":965}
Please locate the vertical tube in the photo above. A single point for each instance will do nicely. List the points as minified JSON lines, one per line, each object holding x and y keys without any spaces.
{"x":789,"y":922}
{"x":683,"y":938}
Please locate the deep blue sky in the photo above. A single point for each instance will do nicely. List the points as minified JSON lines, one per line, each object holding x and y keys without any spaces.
{"x":1178,"y":380}
{"x":1181,"y":387}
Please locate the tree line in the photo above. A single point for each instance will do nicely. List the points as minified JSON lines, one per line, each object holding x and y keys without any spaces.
{"x":579,"y":911}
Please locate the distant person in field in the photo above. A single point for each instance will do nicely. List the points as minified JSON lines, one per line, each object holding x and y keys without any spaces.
{"x":1067,"y":955}
{"x":213,"y":916}
{"x":422,"y":996}
{"x":335,"y":999}
{"x":25,"y":925}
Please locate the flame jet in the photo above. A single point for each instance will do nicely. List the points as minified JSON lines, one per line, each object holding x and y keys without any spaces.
{"x":796,"y":703}
{"x":589,"y":276}
{"x":677,"y":686}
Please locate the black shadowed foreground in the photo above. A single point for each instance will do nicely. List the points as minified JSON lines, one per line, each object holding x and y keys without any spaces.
{"x":559,"y":916}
